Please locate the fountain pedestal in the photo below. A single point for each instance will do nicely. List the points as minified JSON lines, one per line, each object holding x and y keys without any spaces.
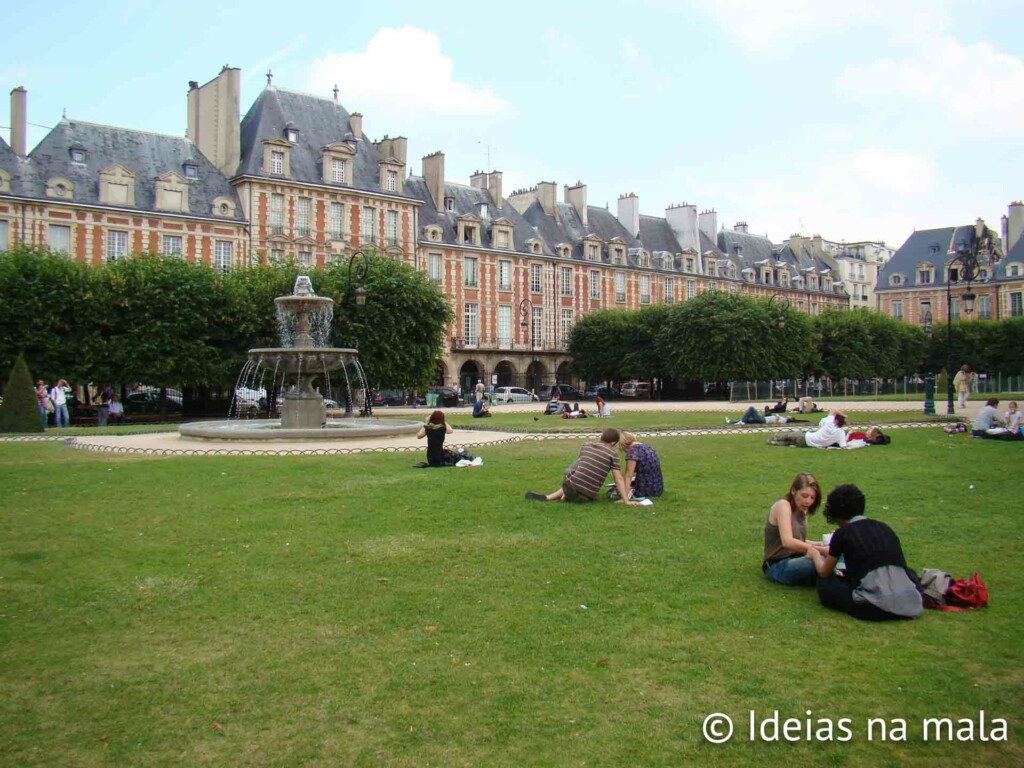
{"x":303,"y":407}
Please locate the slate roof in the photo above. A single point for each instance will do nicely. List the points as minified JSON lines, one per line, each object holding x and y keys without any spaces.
{"x":146,"y":155}
{"x":11,"y":163}
{"x":657,"y":235}
{"x":932,"y":246}
{"x":320,"y":122}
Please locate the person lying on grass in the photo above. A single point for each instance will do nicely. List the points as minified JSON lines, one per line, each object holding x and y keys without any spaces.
{"x":585,"y":477}
{"x":754,"y":416}
{"x":829,"y":433}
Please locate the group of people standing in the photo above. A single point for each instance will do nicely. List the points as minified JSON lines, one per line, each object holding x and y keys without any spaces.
{"x":859,"y":568}
{"x":56,"y":400}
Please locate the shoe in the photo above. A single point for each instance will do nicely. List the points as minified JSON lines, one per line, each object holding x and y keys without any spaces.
{"x":536,"y":496}
{"x":726,"y":419}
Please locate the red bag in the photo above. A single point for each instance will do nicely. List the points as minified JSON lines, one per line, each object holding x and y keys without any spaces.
{"x":965,"y":594}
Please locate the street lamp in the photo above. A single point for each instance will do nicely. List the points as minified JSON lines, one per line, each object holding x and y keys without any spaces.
{"x":964,"y":251}
{"x":525,"y":317}
{"x":782,"y":306}
{"x":361,"y":271}
{"x":929,"y":384}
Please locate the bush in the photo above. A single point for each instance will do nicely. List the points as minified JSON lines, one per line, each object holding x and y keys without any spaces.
{"x":19,"y":411}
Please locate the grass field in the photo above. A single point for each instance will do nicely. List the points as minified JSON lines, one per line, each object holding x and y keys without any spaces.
{"x":352,"y":610}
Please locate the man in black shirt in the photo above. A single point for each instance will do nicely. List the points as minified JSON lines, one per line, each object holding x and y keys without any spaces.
{"x":877,"y":585}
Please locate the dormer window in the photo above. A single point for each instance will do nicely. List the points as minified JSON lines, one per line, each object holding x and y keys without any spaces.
{"x":191,"y":171}
{"x":391,"y":181}
{"x":644,"y":259}
{"x":117,"y":186}
{"x":896,"y":280}
{"x":924,"y":274}
{"x":469,"y":234}
{"x":1013,"y":269}
{"x":338,"y":174}
{"x":592,"y":252}
{"x":277,"y":162}
{"x":77,"y":155}
{"x":564,"y":252}
{"x":449,"y":203}
{"x":171,"y":193}
{"x":60,"y":188}
{"x":618,"y":255}
{"x":292,"y":135}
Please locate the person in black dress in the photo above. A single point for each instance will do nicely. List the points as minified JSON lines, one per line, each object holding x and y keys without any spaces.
{"x":435,"y":429}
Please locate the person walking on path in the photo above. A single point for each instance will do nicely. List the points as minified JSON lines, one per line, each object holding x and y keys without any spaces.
{"x":478,"y":393}
{"x":59,"y":397}
{"x":962,"y":384}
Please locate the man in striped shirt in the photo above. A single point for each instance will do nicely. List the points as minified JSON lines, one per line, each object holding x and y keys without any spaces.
{"x":585,"y":477}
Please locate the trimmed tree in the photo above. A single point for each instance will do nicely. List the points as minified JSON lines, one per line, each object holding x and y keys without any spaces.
{"x":19,"y":412}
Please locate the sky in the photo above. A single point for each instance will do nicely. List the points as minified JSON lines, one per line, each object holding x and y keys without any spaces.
{"x":855,"y":121}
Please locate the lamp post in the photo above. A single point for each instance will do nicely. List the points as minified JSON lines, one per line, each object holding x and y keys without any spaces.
{"x":965,"y":261}
{"x":929,"y":383}
{"x":525,"y":317}
{"x":783,"y":305}
{"x":359,"y":278}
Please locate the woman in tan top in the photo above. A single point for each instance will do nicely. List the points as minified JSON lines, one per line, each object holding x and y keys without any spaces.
{"x":785,"y":534}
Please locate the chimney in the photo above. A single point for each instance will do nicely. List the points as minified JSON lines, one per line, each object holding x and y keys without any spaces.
{"x":213,"y":119}
{"x":355,"y":124}
{"x":433,"y":175}
{"x":395,"y":148}
{"x":577,"y":197}
{"x":1014,"y":225}
{"x":19,"y":121}
{"x":494,"y":187}
{"x":708,"y":223}
{"x":478,"y":180}
{"x":548,"y":196}
{"x":741,"y":226}
{"x":683,"y":221}
{"x":629,"y":213}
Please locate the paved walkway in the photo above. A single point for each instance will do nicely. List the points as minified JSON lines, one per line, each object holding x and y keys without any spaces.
{"x":171,"y":444}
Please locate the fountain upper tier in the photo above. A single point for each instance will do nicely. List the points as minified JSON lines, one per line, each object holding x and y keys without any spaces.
{"x":312,"y":360}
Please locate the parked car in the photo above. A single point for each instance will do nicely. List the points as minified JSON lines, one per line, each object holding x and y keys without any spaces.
{"x":637,"y":389}
{"x":559,"y":392}
{"x":446,"y":397}
{"x":513,"y":395}
{"x":149,"y":402}
{"x":607,"y":393}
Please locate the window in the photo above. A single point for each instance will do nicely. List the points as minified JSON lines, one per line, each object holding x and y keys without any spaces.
{"x":276,"y":255}
{"x":618,"y":255}
{"x":691,"y":288}
{"x":896,"y":280}
{"x":670,"y":291}
{"x":592,"y":252}
{"x":1016,"y":308}
{"x":1013,"y":270}
{"x":305,"y":258}
{"x":77,"y":155}
{"x":5,"y":235}
{"x":449,"y":203}
{"x":469,"y":234}
{"x":337,"y":171}
{"x":117,"y":193}
{"x":391,"y":181}
{"x":276,"y":214}
{"x":391,"y":227}
{"x":222,"y":255}
{"x":567,"y":281}
{"x":537,"y":328}
{"x":58,"y":238}
{"x":645,"y":289}
{"x":277,"y":162}
{"x":925,"y":311}
{"x":566,"y":328}
{"x":434,"y":267}
{"x":535,"y":278}
{"x":469,"y":272}
{"x":620,"y":286}
{"x":505,"y":326}
{"x":172,"y":245}
{"x":337,"y":223}
{"x":954,"y":308}
{"x":689,"y":263}
{"x":503,"y":238}
{"x":117,"y":245}
{"x":292,"y":135}
{"x":595,"y":284}
{"x":504,"y":275}
{"x":897,"y":308}
{"x":368,"y":225}
{"x":471,"y":324}
{"x":984,"y":307}
{"x":302,"y":216}
{"x":191,"y":171}
{"x":924,"y":276}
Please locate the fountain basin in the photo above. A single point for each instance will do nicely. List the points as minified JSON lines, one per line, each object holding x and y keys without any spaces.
{"x":271,"y":429}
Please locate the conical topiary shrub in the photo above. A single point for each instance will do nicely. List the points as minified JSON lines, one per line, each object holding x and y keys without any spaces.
{"x":19,"y":412}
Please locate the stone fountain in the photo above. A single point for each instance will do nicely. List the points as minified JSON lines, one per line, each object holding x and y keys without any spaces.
{"x":304,"y":358}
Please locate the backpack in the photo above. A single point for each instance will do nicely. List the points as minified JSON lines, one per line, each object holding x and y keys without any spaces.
{"x":958,"y":595}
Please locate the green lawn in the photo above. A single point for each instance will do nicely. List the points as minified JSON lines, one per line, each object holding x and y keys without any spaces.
{"x":519,"y":421}
{"x":352,"y":610}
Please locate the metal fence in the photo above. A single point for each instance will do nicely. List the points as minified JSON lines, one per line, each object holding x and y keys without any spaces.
{"x":908,"y":386}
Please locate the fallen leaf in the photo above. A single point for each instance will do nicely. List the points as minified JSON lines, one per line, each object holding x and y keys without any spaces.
{"x":217,"y":727}
{"x":103,"y":737}
{"x":218,"y":554}
{"x":602,"y":662}
{"x":432,"y":628}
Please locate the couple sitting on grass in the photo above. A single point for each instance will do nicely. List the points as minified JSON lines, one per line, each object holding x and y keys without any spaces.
{"x":585,"y":477}
{"x":860,"y":569}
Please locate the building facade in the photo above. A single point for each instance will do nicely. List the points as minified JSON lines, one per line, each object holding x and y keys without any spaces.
{"x":922,"y":284}
{"x":296,"y":178}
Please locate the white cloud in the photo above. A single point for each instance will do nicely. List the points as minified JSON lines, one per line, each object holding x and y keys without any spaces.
{"x":973,"y":87}
{"x":402,"y":77}
{"x":630,"y":52}
{"x":762,"y":26}
{"x":900,"y":173}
